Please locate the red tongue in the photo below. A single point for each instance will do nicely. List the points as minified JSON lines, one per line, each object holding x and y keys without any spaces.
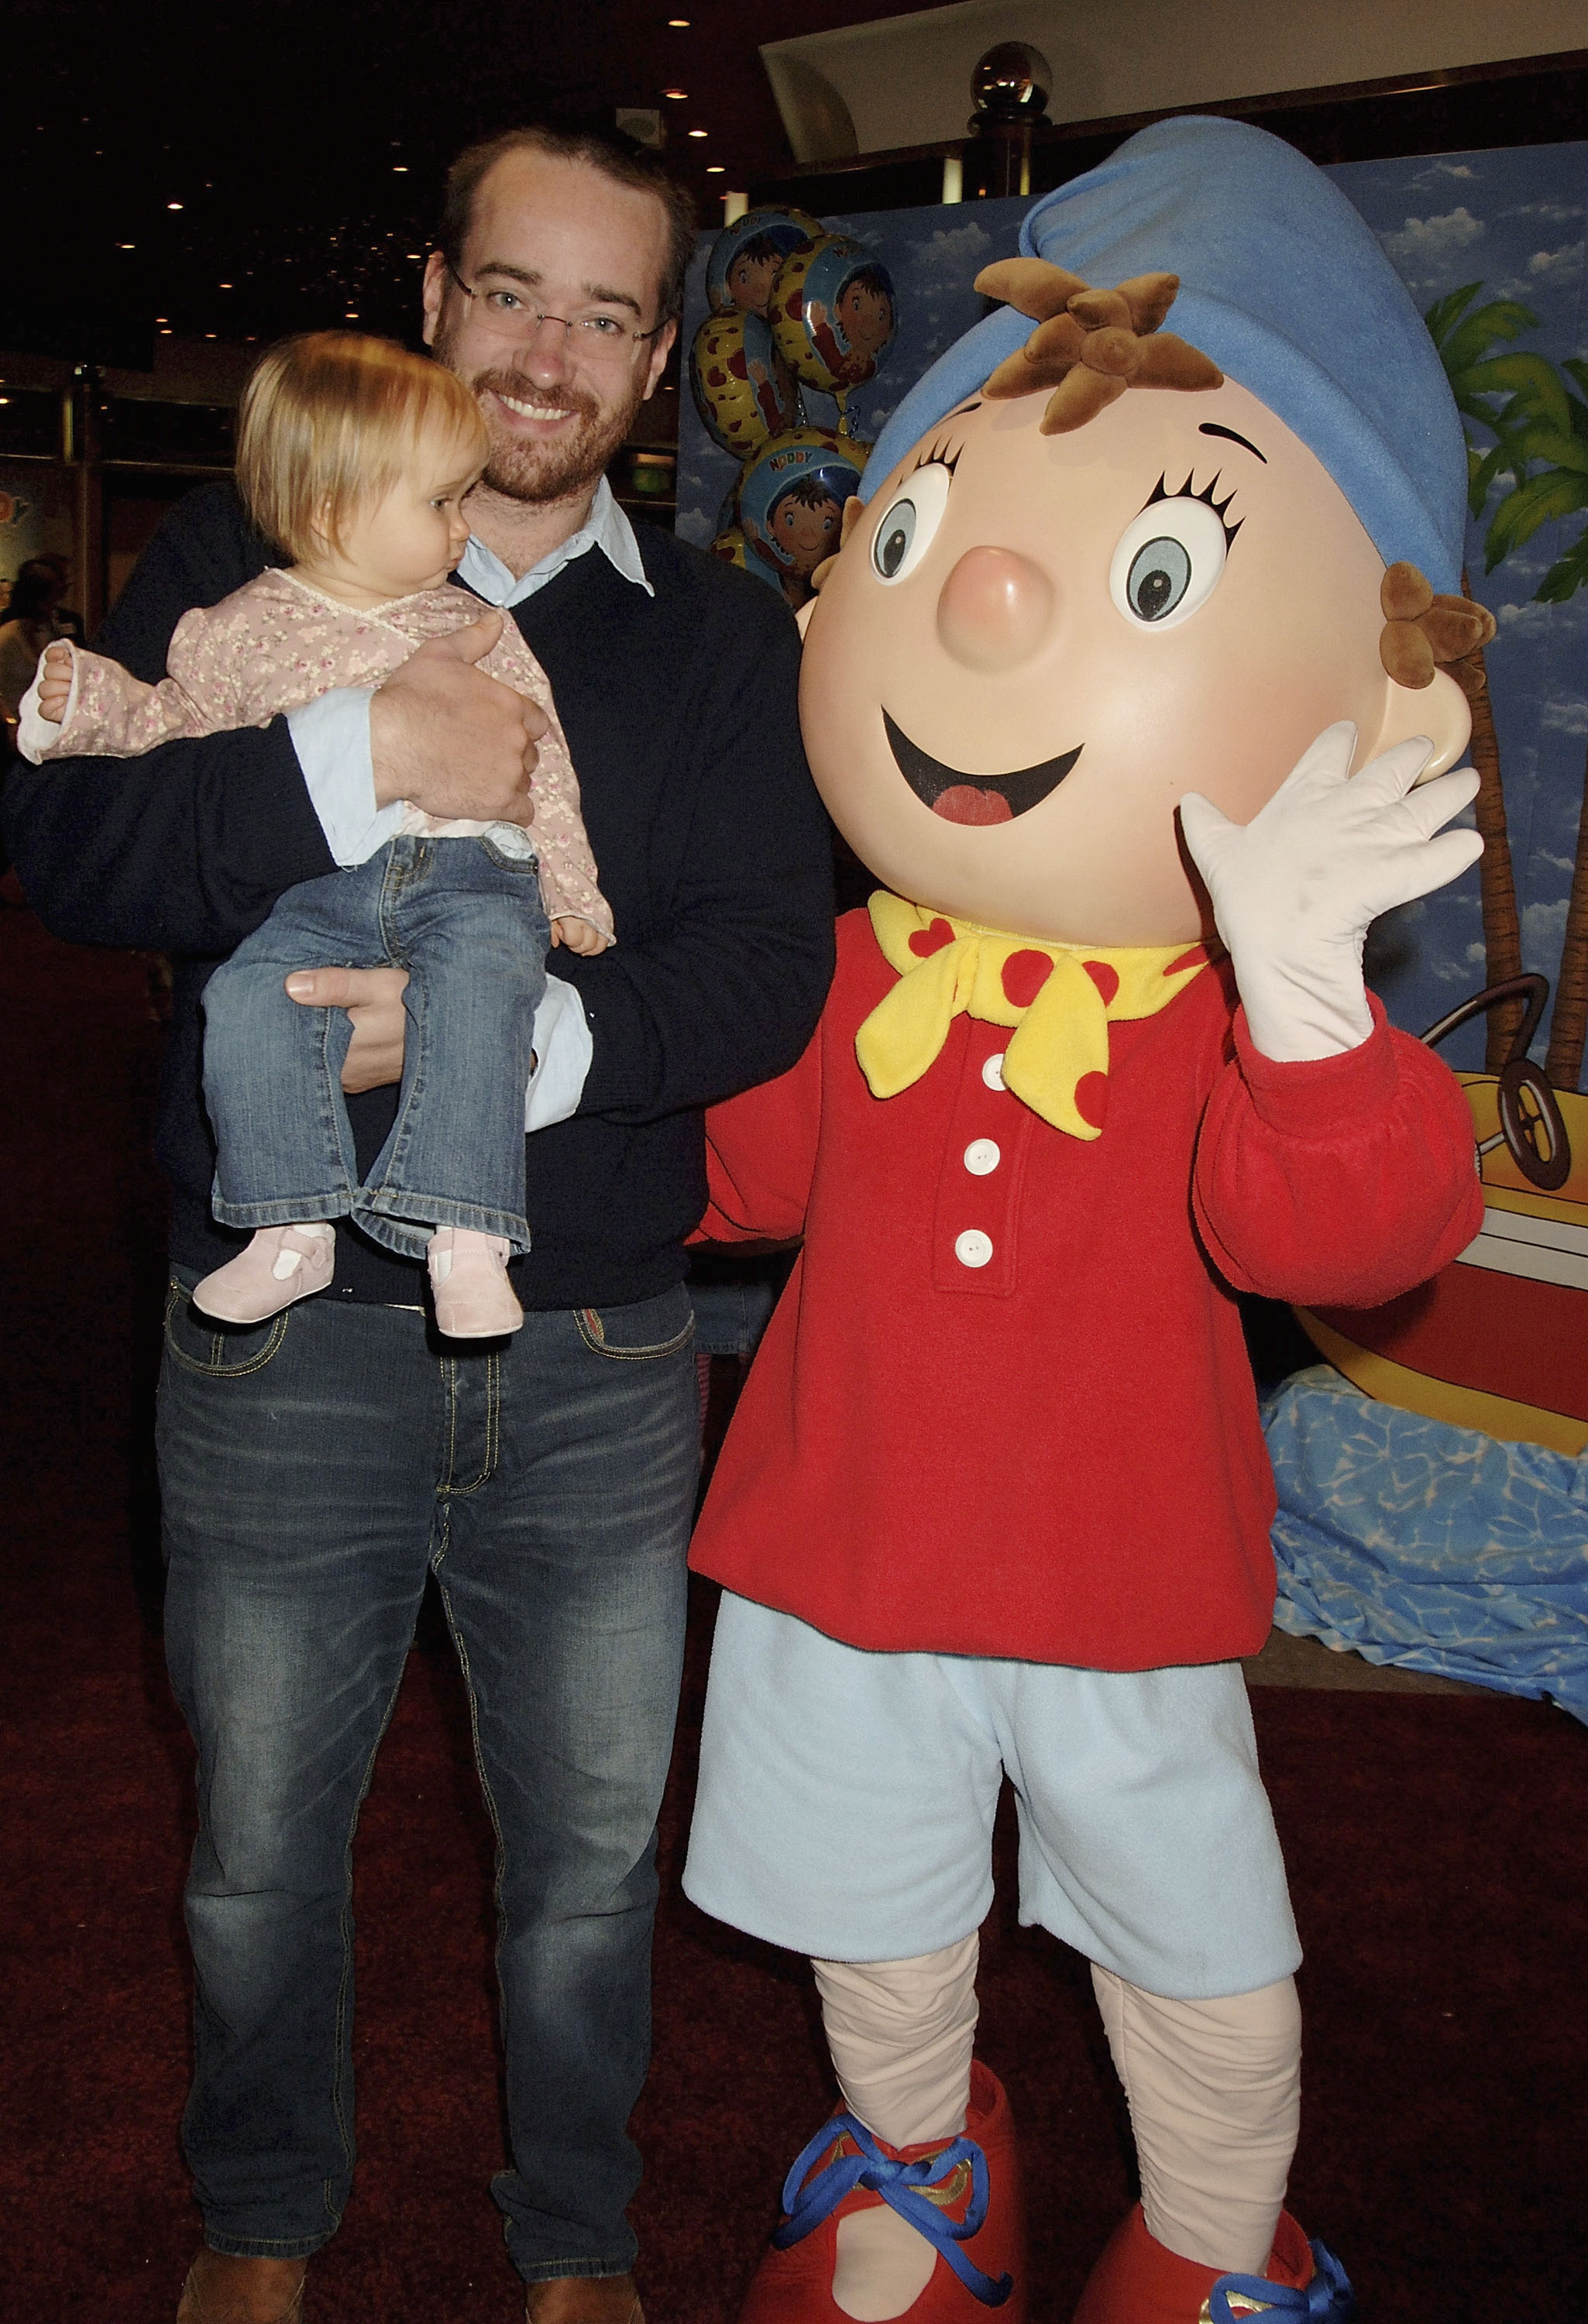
{"x":964,"y":803}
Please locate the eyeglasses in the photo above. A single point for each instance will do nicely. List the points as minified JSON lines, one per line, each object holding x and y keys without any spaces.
{"x":510,"y":314}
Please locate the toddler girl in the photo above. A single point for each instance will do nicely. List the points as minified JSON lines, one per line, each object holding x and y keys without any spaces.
{"x":355,"y":457}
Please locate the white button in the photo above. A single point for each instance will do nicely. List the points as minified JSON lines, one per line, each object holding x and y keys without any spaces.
{"x":982,"y":1156}
{"x":973,"y":1248}
{"x":993,"y":1072}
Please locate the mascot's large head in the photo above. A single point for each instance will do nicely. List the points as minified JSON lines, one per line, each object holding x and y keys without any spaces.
{"x":1098,"y":561}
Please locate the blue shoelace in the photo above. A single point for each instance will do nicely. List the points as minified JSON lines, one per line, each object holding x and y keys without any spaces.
{"x":808,"y":2207}
{"x":1328,"y":2299}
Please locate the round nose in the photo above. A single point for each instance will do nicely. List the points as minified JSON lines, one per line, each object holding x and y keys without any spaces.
{"x":994,"y":609}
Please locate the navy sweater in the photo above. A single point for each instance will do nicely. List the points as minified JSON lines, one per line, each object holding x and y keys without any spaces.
{"x":680,"y":715}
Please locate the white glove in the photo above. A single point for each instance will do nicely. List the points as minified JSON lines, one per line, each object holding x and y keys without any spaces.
{"x":1294,"y":890}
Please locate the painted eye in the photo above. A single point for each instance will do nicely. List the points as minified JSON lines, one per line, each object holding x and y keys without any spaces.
{"x":909,"y":520}
{"x":1168,"y":562}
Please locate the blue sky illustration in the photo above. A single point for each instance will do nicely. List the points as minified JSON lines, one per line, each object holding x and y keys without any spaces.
{"x":1514,"y":220}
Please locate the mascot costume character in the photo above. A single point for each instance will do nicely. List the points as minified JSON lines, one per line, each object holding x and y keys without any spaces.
{"x":1098,"y":1058}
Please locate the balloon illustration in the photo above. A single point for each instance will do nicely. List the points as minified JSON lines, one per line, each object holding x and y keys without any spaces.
{"x":834,"y":314}
{"x":746,"y":256}
{"x":792,"y":499}
{"x":790,"y":304}
{"x":732,"y":547}
{"x":742,"y":386}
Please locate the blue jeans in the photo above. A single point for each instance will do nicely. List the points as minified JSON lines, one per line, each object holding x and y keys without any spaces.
{"x":313,"y":1469}
{"x":465,"y":920}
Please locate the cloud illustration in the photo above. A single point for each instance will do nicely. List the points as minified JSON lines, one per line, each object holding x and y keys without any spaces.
{"x":1546,"y":213}
{"x":1432,"y":253}
{"x":1544,"y":929}
{"x":1521,"y":621}
{"x":1555,"y":265}
{"x":948,"y":260}
{"x":1565,"y":717}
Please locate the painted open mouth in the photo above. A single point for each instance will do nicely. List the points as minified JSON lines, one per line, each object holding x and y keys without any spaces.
{"x":973,"y":799}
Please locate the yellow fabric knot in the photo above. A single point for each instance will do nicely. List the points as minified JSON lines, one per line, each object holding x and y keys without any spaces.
{"x":1060,"y":1000}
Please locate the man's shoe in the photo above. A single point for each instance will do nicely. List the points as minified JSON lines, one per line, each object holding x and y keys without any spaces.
{"x":583,"y":2299}
{"x":221,"y":2289}
{"x":1138,"y":2281}
{"x":474,"y":1300}
{"x":963,"y":2195}
{"x":280,"y":1265}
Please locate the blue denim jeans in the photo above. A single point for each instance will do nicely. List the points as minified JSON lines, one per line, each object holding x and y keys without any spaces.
{"x":313,"y":1469}
{"x":465,"y":920}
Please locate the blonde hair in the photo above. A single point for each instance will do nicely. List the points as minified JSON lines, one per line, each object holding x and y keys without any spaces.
{"x":329,"y":421}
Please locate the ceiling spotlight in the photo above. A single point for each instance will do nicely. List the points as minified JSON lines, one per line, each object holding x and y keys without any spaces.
{"x":678,"y":95}
{"x":716,"y":169}
{"x":126,"y":245}
{"x":352,"y":315}
{"x":399,"y":168}
{"x":698,"y":132}
{"x":416,"y":254}
{"x":165,"y":331}
{"x":679,"y":23}
{"x":224,"y":286}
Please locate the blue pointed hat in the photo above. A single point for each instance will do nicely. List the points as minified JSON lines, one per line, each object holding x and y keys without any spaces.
{"x":1285,"y":287}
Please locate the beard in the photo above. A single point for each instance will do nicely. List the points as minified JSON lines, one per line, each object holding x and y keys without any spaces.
{"x":523,"y":470}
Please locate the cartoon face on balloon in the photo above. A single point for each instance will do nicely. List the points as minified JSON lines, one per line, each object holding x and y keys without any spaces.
{"x":1032,"y":645}
{"x":745,"y":258}
{"x":834,"y":314}
{"x":790,"y":505}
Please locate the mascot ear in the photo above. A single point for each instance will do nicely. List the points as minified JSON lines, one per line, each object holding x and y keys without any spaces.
{"x":1439,"y":710}
{"x":1431,"y":649}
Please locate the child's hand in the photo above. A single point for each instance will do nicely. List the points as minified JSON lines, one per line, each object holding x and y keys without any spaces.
{"x":579,"y":936}
{"x":55,"y":684}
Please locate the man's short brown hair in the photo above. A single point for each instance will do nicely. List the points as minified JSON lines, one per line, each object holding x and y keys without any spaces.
{"x":617,"y":157}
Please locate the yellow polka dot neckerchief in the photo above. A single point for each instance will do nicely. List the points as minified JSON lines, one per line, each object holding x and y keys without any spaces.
{"x":1060,"y":1000}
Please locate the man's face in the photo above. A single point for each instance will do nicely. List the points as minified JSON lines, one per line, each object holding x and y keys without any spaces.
{"x":1031,"y":646}
{"x":866,"y":316}
{"x":567,"y":239}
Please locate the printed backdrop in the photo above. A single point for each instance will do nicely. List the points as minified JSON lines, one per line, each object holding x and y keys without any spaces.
{"x":1510,"y":222}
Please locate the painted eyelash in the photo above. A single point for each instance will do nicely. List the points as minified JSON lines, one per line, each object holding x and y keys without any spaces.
{"x":941,"y":452}
{"x":1160,"y":491}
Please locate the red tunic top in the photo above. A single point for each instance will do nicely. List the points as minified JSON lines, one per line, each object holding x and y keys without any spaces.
{"x":1004,"y":1405}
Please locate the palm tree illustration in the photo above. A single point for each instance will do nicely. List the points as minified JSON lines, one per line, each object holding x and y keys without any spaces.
{"x":1549,"y":440}
{"x":1485,"y":385}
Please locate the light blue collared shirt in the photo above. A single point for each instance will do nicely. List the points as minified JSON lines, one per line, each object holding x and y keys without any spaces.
{"x":331,"y":738}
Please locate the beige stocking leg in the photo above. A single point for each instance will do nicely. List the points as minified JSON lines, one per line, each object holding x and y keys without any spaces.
{"x":900,"y":2033}
{"x":1214,"y":2092}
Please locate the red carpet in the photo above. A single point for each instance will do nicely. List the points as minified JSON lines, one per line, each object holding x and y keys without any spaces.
{"x":1435,"y":1847}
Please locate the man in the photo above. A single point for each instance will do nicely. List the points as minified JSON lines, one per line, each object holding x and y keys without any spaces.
{"x":313,"y":1471}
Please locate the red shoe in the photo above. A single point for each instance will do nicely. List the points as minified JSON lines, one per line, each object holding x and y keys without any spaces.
{"x":963,"y":2194}
{"x":1138,"y":2281}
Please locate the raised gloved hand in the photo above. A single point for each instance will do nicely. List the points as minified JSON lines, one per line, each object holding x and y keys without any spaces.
{"x":1295,"y":889}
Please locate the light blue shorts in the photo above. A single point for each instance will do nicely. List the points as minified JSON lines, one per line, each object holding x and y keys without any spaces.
{"x":846,"y":1799}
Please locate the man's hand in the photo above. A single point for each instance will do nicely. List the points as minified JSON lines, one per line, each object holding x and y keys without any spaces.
{"x":1295,"y":890}
{"x":452,"y":740}
{"x":372,"y":998}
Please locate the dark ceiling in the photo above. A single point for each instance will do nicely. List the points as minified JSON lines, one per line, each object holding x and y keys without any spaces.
{"x":248,"y":170}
